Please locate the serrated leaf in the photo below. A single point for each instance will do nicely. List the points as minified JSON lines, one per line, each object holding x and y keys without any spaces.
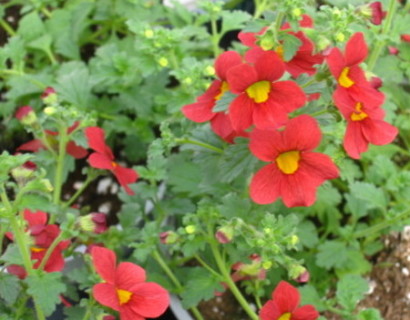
{"x":45,"y":288}
{"x":234,"y":206}
{"x":373,"y":196}
{"x":307,"y":234}
{"x":233,"y":20}
{"x":370,"y":314}
{"x":236,"y":160}
{"x":331,"y":254}
{"x":223,"y":103}
{"x":35,"y":202}
{"x":291,"y":44}
{"x":350,"y":290}
{"x":12,"y":255}
{"x":9,"y":288}
{"x":31,"y":26}
{"x":200,"y":286}
{"x":184,"y":175}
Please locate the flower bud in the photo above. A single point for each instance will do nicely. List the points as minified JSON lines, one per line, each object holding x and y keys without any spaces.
{"x":267,"y":265}
{"x":210,"y":70}
{"x":267,"y":42}
{"x":50,"y":111}
{"x":49,"y":96}
{"x":294,"y":240}
{"x":405,"y":37}
{"x":304,"y":277}
{"x":296,"y":271}
{"x":224,"y":234}
{"x":296,"y":12}
{"x":163,"y":62}
{"x":168,"y":237}
{"x":23,"y":173}
{"x":47,"y":185}
{"x":149,"y":33}
{"x":323,"y":43}
{"x":340,"y":37}
{"x":393,"y":50}
{"x":190,"y":229}
{"x":94,"y":222}
{"x":26,"y":115}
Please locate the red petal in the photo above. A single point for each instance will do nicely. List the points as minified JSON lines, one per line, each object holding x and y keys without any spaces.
{"x":73,"y":127}
{"x":104,"y":261}
{"x":306,"y":22}
{"x":199,"y":111}
{"x":379,"y":132}
{"x":241,"y":77}
{"x":149,"y":300}
{"x":265,"y":185}
{"x":336,"y":62}
{"x":252,"y":55}
{"x":240,"y":112}
{"x":302,"y":133}
{"x":319,"y":165}
{"x":299,"y":189}
{"x":287,"y":94}
{"x":126,"y":313}
{"x":269,"y":67}
{"x":106,"y":294}
{"x":286,"y":297}
{"x":270,"y":311}
{"x":356,"y":49}
{"x":269,"y":115}
{"x":100,"y":161}
{"x":307,"y":312}
{"x":96,"y":141}
{"x":266,"y":145}
{"x":128,"y":274}
{"x":76,"y":151}
{"x":55,"y":262}
{"x":221,"y":125}
{"x":33,"y":146}
{"x":226,"y":61}
{"x":125,"y":176}
{"x":35,"y":218}
{"x":18,"y":271}
{"x":354,"y":141}
{"x":248,"y":38}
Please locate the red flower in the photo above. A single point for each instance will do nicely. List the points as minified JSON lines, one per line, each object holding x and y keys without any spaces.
{"x":95,"y":222}
{"x":104,"y":159}
{"x":124,"y":288}
{"x":285,"y":305}
{"x":350,"y":77}
{"x":262,"y":100}
{"x":72,"y":148}
{"x":377,"y":12}
{"x":364,"y":125}
{"x":201,"y":111}
{"x":295,"y":171}
{"x":405,"y":37}
{"x":43,"y":236}
{"x":303,"y":60}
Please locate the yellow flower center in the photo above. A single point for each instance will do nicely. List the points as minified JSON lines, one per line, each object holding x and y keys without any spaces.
{"x":285,"y":316}
{"x":223,"y":89}
{"x":344,"y":79}
{"x":358,"y":114}
{"x":259,"y":91}
{"x":288,"y":163}
{"x":123,"y":296}
{"x":114,"y":164}
{"x":34,"y":249}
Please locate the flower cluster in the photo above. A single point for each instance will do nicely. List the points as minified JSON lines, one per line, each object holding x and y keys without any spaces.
{"x":263,"y":109}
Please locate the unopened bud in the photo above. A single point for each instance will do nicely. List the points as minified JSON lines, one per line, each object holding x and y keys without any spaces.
{"x":163,"y":62}
{"x":190,"y":229}
{"x":168,"y":237}
{"x":23,"y":173}
{"x":94,"y":222}
{"x":294,"y":240}
{"x":296,"y":12}
{"x":49,"y":96}
{"x":304,"y":277}
{"x":340,"y":37}
{"x":187,"y":81}
{"x":210,"y":70}
{"x":267,"y":265}
{"x":47,"y":185}
{"x":26,"y":115}
{"x":224,"y":234}
{"x":267,"y":230}
{"x":148,"y":33}
{"x":50,"y":111}
{"x":267,"y":42}
{"x":322,"y":43}
{"x":296,"y":271}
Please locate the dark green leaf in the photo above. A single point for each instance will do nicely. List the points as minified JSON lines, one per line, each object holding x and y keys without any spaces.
{"x":223,"y":103}
{"x":9,"y":288}
{"x":291,"y":44}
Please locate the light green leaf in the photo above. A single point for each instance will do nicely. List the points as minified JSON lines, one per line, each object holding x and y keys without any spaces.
{"x":350,"y":290}
{"x":31,"y":27}
{"x":223,"y":103}
{"x":234,"y":20}
{"x":9,"y":288}
{"x":291,"y":44}
{"x":373,"y":196}
{"x":332,"y":254}
{"x":370,"y":314}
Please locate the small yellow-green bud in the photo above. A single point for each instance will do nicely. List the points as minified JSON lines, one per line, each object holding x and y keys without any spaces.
{"x":50,"y":111}
{"x":340,"y":37}
{"x":267,"y":43}
{"x":322,"y":43}
{"x":260,"y":242}
{"x":296,"y":270}
{"x":187,"y":81}
{"x":296,"y":12}
{"x":86,"y":223}
{"x":267,"y":230}
{"x":149,"y":33}
{"x":47,"y":185}
{"x":210,"y":70}
{"x":267,"y":265}
{"x":294,"y":240}
{"x":163,"y":62}
{"x":336,"y":12}
{"x":190,"y":229}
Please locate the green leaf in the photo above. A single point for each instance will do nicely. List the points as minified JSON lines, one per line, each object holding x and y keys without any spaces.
{"x":31,"y":27}
{"x":9,"y":288}
{"x":332,"y":254}
{"x":35,"y":202}
{"x":12,"y":255}
{"x":373,"y":196}
{"x":350,"y":290}
{"x":223,"y":103}
{"x":200,"y":286}
{"x":234,"y":206}
{"x":73,"y":84}
{"x":307,"y":234}
{"x":370,"y":314}
{"x":45,"y":288}
{"x":311,"y":296}
{"x":184,"y":175}
{"x":236,"y":160}
{"x":234,"y":20}
{"x":291,"y":44}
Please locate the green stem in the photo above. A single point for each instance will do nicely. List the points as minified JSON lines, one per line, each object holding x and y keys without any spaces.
{"x":380,"y":43}
{"x":207,"y":267}
{"x":157,"y":256}
{"x":7,"y":27}
{"x":228,"y":280}
{"x":308,"y":83}
{"x":19,"y":237}
{"x":215,"y":37}
{"x":74,"y":197}
{"x":51,"y":56}
{"x":260,"y":6}
{"x":199,"y":143}
{"x":318,"y":113}
{"x":382,"y":225}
